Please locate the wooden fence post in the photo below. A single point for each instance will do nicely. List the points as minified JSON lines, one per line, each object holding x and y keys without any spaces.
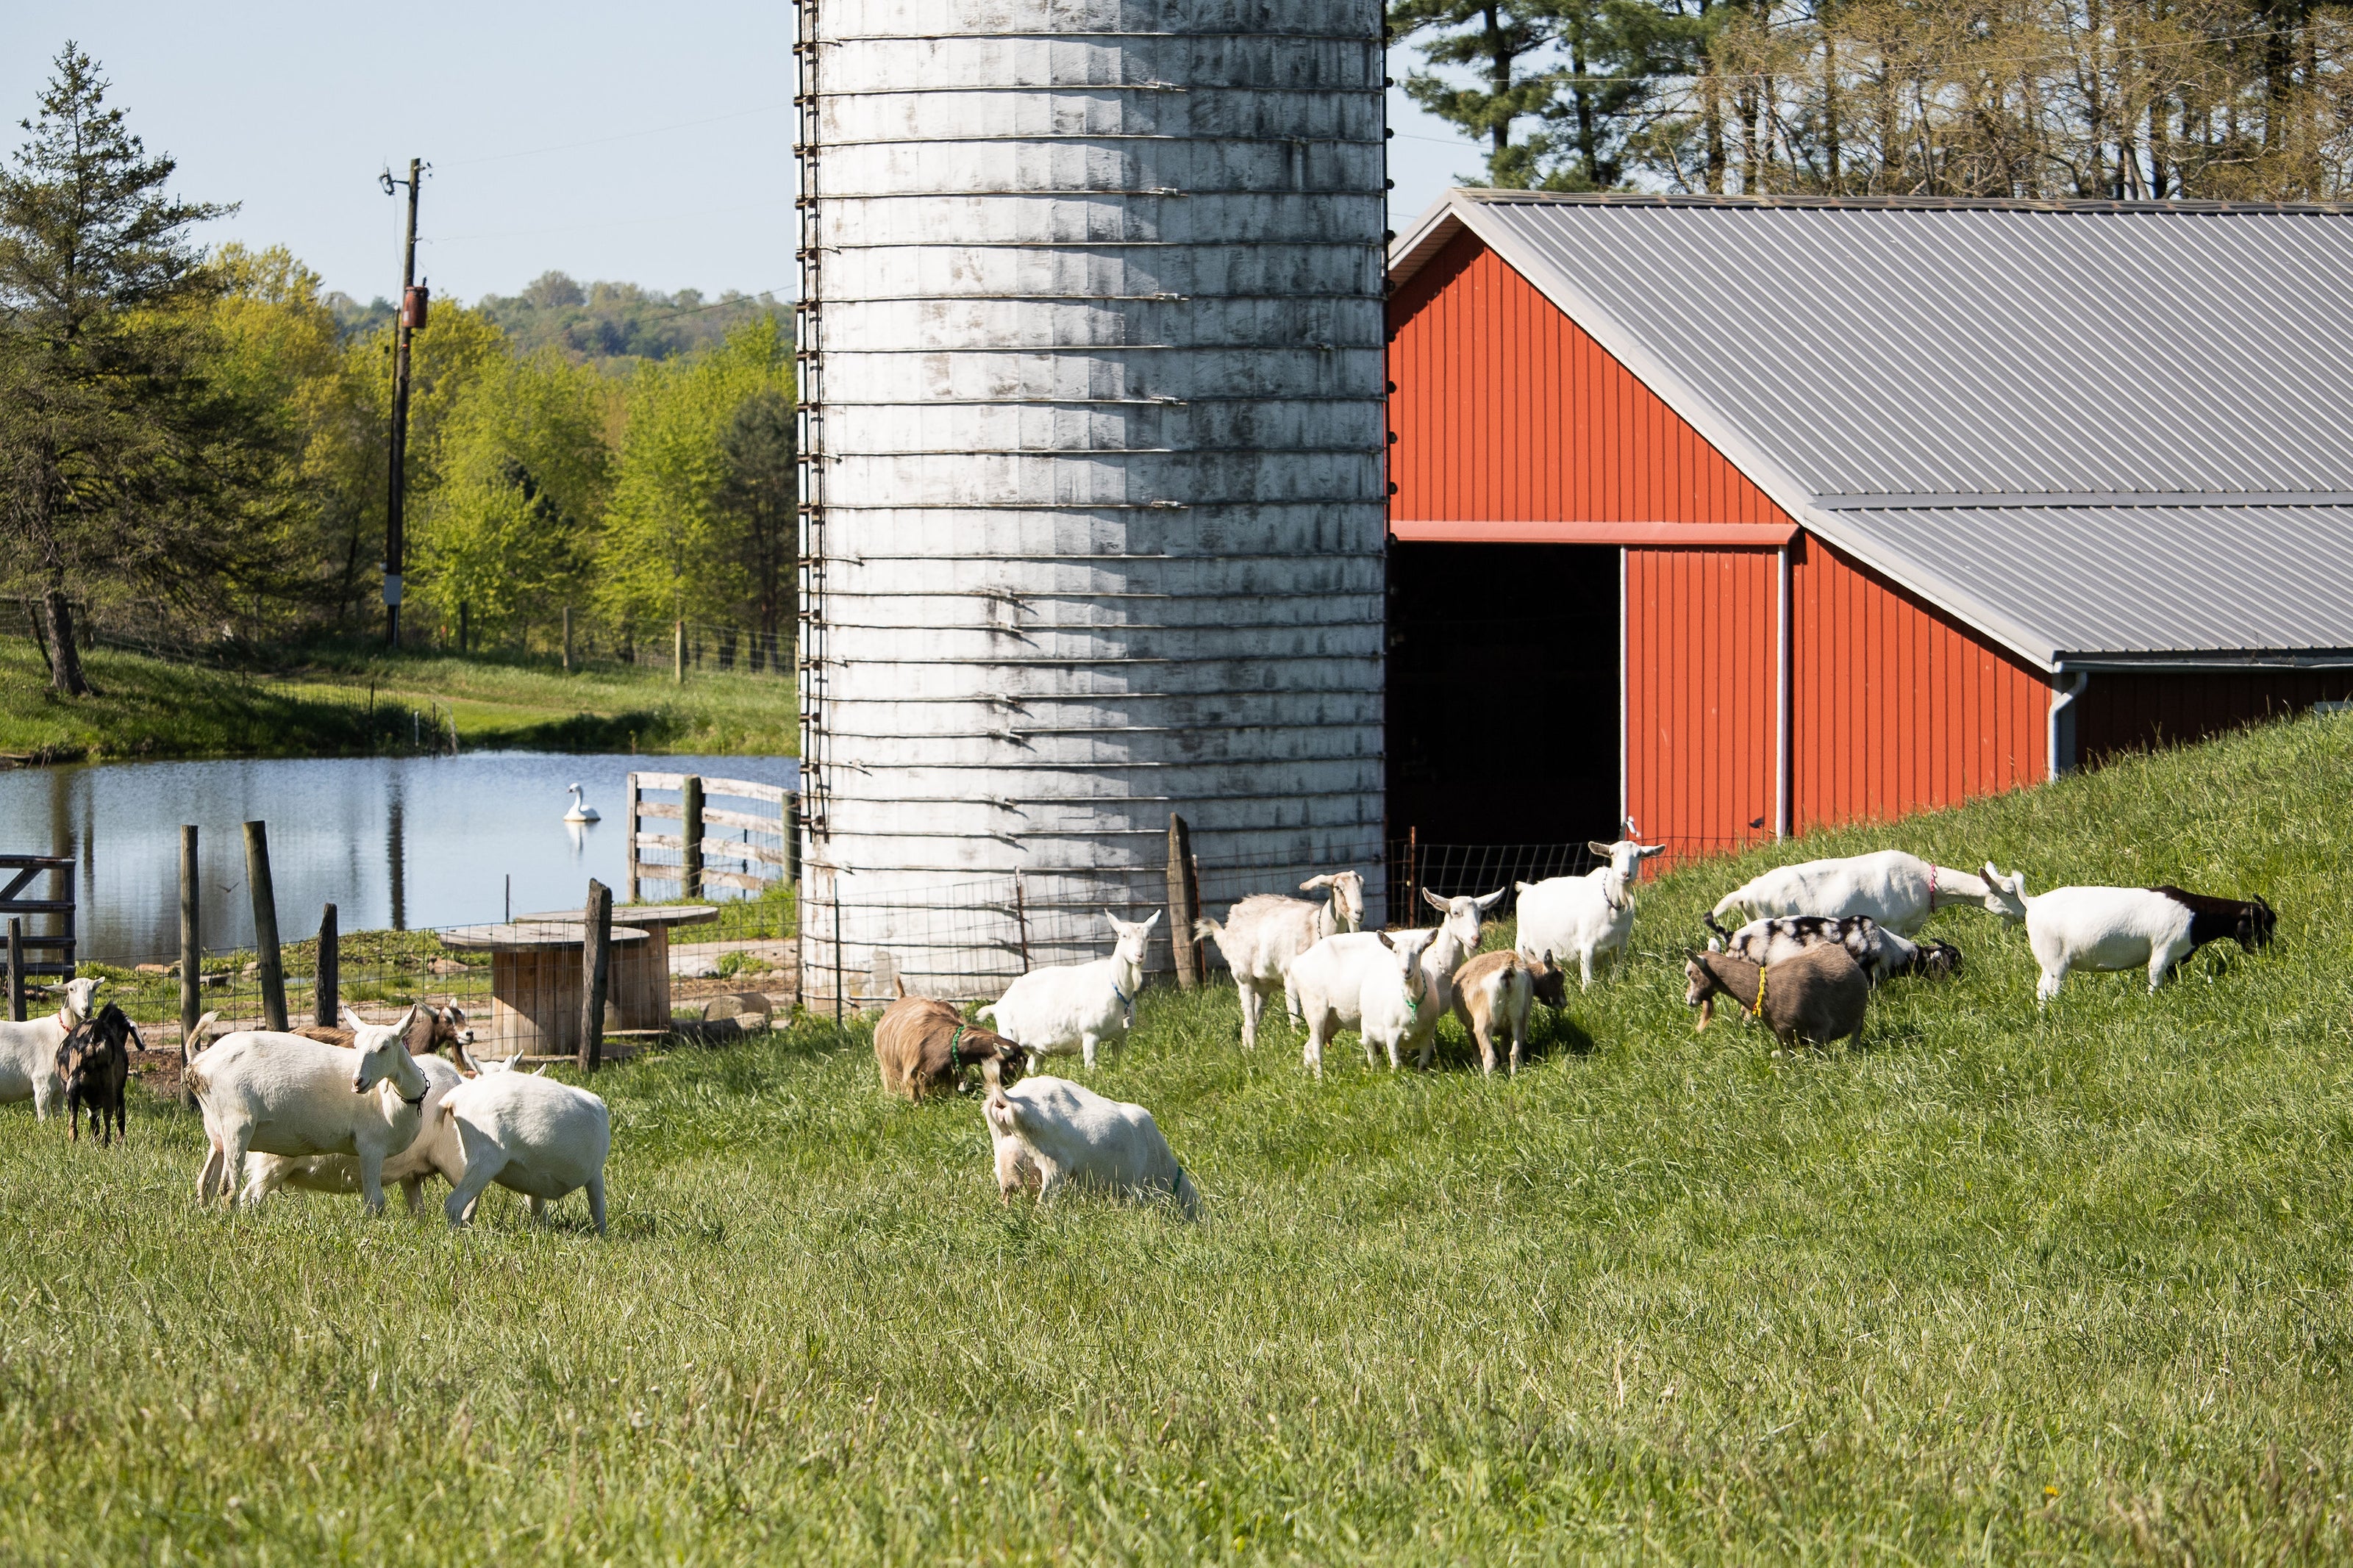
{"x":596,"y":974}
{"x":678,"y":652}
{"x":690,"y":809}
{"x":16,"y":970}
{"x":567,"y":639}
{"x":192,"y":955}
{"x":327,"y":987}
{"x":1181,"y":898}
{"x":629,"y":828}
{"x":793,"y":839}
{"x":271,"y":967}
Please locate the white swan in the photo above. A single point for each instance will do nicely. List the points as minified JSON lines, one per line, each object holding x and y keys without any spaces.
{"x":581,"y":810}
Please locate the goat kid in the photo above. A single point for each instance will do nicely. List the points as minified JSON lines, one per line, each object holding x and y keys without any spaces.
{"x":530,"y":1134}
{"x":1587,"y":915}
{"x":1491,"y":990}
{"x":286,"y":1094}
{"x":28,"y":1051}
{"x":441,"y":1029}
{"x":1265,"y":932}
{"x":94,"y":1065}
{"x":2108,"y":928}
{"x":1373,"y":981}
{"x":1819,"y":995}
{"x":1050,"y":1134}
{"x":1898,"y":891}
{"x":1067,"y":1008}
{"x":1880,"y":953}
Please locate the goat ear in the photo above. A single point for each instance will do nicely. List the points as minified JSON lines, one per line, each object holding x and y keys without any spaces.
{"x":1597,"y":847}
{"x":1649,"y":851}
{"x":1490,"y":901}
{"x":1150,"y":920}
{"x":352,"y":1020}
{"x":1433,"y":901}
{"x":1385,"y":940}
{"x":1313,"y":883}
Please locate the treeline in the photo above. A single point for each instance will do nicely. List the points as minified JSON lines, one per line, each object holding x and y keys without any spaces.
{"x":199,"y":435}
{"x":2216,"y":99}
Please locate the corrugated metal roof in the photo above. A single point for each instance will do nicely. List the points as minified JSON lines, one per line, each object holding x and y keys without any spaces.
{"x":2086,"y":429}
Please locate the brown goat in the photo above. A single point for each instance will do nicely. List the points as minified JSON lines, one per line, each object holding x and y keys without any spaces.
{"x":1491,"y":990}
{"x":430,"y":1030}
{"x":95,"y":1064}
{"x":921,"y":1046}
{"x":1819,"y":995}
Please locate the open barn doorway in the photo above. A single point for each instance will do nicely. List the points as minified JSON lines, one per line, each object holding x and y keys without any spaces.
{"x":1502,"y":693}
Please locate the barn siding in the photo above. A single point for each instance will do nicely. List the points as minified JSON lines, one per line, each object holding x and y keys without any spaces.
{"x":1506,"y":410}
{"x":2125,"y":712}
{"x":1699,"y":697}
{"x":1896,"y":707}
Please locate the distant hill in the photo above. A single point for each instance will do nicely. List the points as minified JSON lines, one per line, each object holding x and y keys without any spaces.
{"x":609,"y":324}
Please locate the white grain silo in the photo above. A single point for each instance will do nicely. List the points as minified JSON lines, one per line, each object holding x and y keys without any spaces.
{"x":1091,"y":344}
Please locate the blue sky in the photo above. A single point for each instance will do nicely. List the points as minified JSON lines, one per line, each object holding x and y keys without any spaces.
{"x":632,"y":143}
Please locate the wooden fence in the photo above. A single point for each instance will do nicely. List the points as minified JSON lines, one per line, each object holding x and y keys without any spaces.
{"x":768,"y":852}
{"x":19,"y":871}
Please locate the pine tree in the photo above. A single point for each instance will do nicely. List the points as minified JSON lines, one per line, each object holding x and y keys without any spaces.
{"x":115,"y":454}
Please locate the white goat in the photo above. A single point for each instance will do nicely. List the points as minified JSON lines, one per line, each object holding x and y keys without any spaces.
{"x":530,"y":1134}
{"x":1898,"y":891}
{"x":283,"y":1094}
{"x":28,"y":1051}
{"x":1586,"y":915}
{"x":266,"y":1174}
{"x":1338,"y":987}
{"x":1053,"y":1133}
{"x":2108,"y":928}
{"x":1265,"y":932}
{"x":1372,"y":982}
{"x":1068,"y":1008}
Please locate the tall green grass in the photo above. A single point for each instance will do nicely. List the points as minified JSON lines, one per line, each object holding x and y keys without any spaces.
{"x":2000,"y":1285}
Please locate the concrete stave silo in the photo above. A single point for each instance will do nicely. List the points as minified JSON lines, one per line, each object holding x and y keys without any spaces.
{"x":1093,"y":365}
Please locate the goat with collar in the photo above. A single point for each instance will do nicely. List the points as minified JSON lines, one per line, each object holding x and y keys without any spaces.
{"x":28,"y":1051}
{"x":1060,"y":1009}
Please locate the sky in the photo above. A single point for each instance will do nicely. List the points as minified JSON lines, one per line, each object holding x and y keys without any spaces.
{"x":647,"y":145}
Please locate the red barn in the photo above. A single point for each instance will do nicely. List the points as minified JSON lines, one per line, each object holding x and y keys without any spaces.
{"x":1742,"y":517}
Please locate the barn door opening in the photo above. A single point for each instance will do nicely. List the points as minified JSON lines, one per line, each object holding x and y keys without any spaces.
{"x":1502,"y":693}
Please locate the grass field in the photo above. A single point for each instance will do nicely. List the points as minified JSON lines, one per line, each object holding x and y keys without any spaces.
{"x":354,"y":703}
{"x":1996,"y":1287}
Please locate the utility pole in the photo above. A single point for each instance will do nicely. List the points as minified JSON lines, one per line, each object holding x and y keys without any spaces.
{"x":412,"y":316}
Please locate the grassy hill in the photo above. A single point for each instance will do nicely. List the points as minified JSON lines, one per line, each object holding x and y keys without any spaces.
{"x":2000,"y":1285}
{"x":354,"y":703}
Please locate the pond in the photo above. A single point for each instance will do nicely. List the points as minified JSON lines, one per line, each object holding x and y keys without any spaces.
{"x":404,"y":842}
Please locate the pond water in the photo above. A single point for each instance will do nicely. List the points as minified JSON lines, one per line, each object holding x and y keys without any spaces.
{"x":405,"y":842}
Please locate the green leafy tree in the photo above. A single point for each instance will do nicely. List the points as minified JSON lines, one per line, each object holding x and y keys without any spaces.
{"x":760,"y":496}
{"x":1504,"y":47}
{"x":673,"y":545}
{"x":119,"y":454}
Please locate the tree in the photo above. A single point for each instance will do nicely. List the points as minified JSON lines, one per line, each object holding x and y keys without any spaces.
{"x":1499,"y":40}
{"x":760,"y":496}
{"x":673,"y":545}
{"x":116,"y":453}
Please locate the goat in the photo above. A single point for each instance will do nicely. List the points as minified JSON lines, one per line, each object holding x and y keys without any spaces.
{"x":922,"y":1045}
{"x":1587,"y":915}
{"x":1265,"y":932}
{"x":530,"y":1134}
{"x":1898,"y":891}
{"x":1880,"y":953}
{"x":284,"y":1094}
{"x":1068,"y":1008}
{"x":436,"y":1029}
{"x":1818,"y":994}
{"x":1492,"y":990}
{"x":2108,"y":928}
{"x":1050,"y":1134}
{"x":94,"y":1065}
{"x":266,"y":1174}
{"x":1372,"y":982}
{"x":28,"y":1051}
